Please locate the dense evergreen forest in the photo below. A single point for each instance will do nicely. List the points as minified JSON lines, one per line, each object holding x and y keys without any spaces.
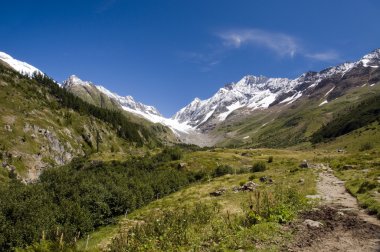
{"x":70,"y":201}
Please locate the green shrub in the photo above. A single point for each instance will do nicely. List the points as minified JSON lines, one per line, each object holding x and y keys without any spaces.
{"x":79,"y":197}
{"x":366,"y":146}
{"x":241,"y":183}
{"x":270,"y":159}
{"x":222,"y":170}
{"x":367,"y":186}
{"x":252,"y":177}
{"x":258,"y":167}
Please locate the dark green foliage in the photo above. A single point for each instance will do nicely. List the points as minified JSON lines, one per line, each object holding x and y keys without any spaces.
{"x":258,"y":167}
{"x":366,"y":146}
{"x":367,"y":186}
{"x":270,"y":159}
{"x":222,"y":170}
{"x":170,"y":154}
{"x":79,"y":197}
{"x":359,"y":116}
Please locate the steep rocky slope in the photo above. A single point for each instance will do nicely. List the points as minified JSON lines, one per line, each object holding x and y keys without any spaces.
{"x":38,"y":130}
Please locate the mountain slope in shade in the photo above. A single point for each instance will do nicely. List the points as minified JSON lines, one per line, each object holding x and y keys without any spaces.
{"x":259,"y":92}
{"x":95,"y":94}
{"x":21,"y":67}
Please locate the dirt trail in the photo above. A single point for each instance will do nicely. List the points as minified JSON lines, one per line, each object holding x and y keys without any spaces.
{"x":334,"y":193}
{"x":344,"y":225}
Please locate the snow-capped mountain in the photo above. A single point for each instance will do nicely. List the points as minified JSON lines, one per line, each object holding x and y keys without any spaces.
{"x":127,"y":103}
{"x":21,"y":67}
{"x":259,"y":92}
{"x":250,"y":93}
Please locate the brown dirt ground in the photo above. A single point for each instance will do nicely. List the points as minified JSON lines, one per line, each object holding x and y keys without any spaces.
{"x":345,"y":227}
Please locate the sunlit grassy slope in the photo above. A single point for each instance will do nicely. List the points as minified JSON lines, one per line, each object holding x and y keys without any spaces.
{"x":284,"y":172}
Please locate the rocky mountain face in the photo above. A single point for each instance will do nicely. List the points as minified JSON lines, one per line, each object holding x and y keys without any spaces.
{"x":253,"y":93}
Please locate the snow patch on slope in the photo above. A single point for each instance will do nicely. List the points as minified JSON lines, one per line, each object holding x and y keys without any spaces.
{"x":322,"y":103}
{"x":129,"y":104}
{"x":230,"y":109}
{"x":329,"y":91}
{"x":21,"y":67}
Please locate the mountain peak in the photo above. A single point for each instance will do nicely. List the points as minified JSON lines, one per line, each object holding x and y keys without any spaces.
{"x":74,"y":80}
{"x":375,"y":54}
{"x":371,"y":59}
{"x":196,"y":100}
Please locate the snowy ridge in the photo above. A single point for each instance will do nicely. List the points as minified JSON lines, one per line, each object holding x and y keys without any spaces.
{"x":253,"y":92}
{"x":128,"y":103}
{"x":73,"y":80}
{"x":259,"y":92}
{"x":21,"y":67}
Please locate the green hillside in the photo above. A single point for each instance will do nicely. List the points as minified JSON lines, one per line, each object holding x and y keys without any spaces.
{"x":298,"y":123}
{"x":43,"y":126}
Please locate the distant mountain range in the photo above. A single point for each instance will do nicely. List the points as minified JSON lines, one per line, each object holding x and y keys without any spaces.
{"x":249,"y":95}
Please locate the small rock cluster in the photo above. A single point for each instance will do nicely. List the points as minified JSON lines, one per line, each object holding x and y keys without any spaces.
{"x":312,"y":224}
{"x":249,"y":186}
{"x":218,"y":192}
{"x":265,"y":179}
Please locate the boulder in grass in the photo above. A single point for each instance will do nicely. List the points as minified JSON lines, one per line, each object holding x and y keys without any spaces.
{"x":218,"y":192}
{"x":304,"y":164}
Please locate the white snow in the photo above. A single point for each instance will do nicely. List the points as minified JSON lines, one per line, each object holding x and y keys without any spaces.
{"x":21,"y":67}
{"x":255,"y":92}
{"x":172,"y":124}
{"x":366,"y":63}
{"x":207,"y":116}
{"x":292,"y":98}
{"x":329,"y":91}
{"x":322,"y":103}
{"x":230,"y":109}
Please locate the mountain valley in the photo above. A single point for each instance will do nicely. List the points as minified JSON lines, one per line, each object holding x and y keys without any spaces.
{"x":244,"y":170}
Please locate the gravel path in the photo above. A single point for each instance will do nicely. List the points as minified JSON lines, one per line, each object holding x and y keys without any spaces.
{"x":344,"y":226}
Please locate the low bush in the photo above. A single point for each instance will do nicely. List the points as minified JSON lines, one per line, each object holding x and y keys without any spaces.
{"x":222,"y":170}
{"x":366,"y":146}
{"x":258,"y":167}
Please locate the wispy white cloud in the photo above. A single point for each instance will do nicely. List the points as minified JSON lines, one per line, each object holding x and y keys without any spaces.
{"x":323,"y":56}
{"x":281,"y":44}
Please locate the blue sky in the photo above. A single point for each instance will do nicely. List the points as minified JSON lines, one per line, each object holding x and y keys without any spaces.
{"x":166,"y":53}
